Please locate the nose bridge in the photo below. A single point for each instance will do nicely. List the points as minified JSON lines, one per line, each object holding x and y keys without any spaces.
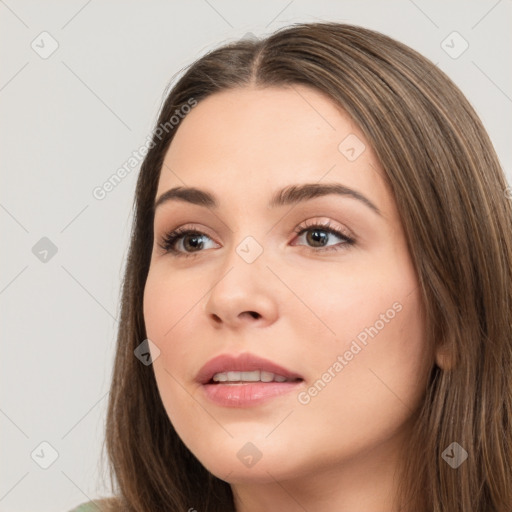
{"x":242,"y":282}
{"x":248,"y":236}
{"x":245,"y":259}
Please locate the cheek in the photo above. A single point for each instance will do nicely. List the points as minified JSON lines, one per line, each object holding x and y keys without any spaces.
{"x":371,"y":363}
{"x":169,"y":298}
{"x":370,"y":310}
{"x":168,"y":315}
{"x":362,"y":342}
{"x":373,"y":376}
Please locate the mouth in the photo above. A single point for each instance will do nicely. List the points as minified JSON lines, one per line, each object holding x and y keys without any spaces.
{"x":233,"y":377}
{"x":245,"y":380}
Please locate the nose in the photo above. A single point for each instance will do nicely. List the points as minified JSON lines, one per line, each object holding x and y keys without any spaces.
{"x":244,"y":295}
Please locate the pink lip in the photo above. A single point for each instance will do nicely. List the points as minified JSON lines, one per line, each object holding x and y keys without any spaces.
{"x":246,"y":394}
{"x":245,"y":362}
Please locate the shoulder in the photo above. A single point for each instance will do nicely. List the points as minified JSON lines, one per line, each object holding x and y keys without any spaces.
{"x":90,"y":506}
{"x":99,"y":505}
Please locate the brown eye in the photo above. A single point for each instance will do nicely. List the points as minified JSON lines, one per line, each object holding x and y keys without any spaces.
{"x":318,"y":236}
{"x":192,"y":242}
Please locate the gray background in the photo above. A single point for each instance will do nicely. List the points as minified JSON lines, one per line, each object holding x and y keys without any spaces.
{"x":69,"y":121}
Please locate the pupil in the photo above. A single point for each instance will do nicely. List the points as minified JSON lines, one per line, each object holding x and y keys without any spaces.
{"x":197,"y":243}
{"x":319,"y":235}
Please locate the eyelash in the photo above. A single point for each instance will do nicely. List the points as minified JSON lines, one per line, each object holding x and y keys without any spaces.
{"x":169,"y":239}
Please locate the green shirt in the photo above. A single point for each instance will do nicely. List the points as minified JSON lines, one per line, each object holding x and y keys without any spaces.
{"x":90,"y":506}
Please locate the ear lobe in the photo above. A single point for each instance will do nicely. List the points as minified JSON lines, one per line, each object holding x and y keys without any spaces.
{"x":445,"y":357}
{"x":444,"y":361}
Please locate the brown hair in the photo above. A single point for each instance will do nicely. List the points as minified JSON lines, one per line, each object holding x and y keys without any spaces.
{"x":450,"y":193}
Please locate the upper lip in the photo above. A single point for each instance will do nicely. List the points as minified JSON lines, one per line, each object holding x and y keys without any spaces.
{"x":245,"y":362}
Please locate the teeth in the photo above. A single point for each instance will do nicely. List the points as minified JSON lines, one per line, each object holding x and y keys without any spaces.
{"x":266,"y":376}
{"x":255,"y":376}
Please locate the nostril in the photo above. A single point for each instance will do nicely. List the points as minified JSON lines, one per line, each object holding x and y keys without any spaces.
{"x":253,"y":314}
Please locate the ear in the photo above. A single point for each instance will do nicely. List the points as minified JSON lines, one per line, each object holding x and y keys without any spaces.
{"x":445,"y":357}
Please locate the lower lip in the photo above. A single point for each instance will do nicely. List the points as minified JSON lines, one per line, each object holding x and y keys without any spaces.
{"x":247,"y":394}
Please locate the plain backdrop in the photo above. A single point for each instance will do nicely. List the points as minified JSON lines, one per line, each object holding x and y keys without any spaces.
{"x":80,"y":87}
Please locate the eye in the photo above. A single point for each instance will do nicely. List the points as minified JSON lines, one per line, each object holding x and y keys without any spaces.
{"x":186,"y":238}
{"x":318,"y":234}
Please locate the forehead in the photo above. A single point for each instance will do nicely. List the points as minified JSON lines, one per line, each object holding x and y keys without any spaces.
{"x":250,"y":140}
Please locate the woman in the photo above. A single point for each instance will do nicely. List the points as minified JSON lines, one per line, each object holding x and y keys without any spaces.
{"x":316,"y":309}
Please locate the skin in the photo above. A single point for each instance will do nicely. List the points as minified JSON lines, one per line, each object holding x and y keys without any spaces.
{"x":339,"y":451}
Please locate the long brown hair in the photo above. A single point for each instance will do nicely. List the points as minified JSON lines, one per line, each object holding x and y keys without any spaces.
{"x":451,"y":196}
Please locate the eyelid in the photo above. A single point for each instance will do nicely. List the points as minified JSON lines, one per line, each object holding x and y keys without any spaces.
{"x":328,"y":225}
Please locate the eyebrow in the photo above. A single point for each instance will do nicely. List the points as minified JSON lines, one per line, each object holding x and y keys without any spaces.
{"x":289,"y":195}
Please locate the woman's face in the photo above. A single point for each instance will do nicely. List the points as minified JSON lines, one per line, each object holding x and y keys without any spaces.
{"x":344,"y":316}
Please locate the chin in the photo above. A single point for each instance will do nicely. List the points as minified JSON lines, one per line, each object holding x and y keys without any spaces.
{"x":239,"y":462}
{"x":262,"y":472}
